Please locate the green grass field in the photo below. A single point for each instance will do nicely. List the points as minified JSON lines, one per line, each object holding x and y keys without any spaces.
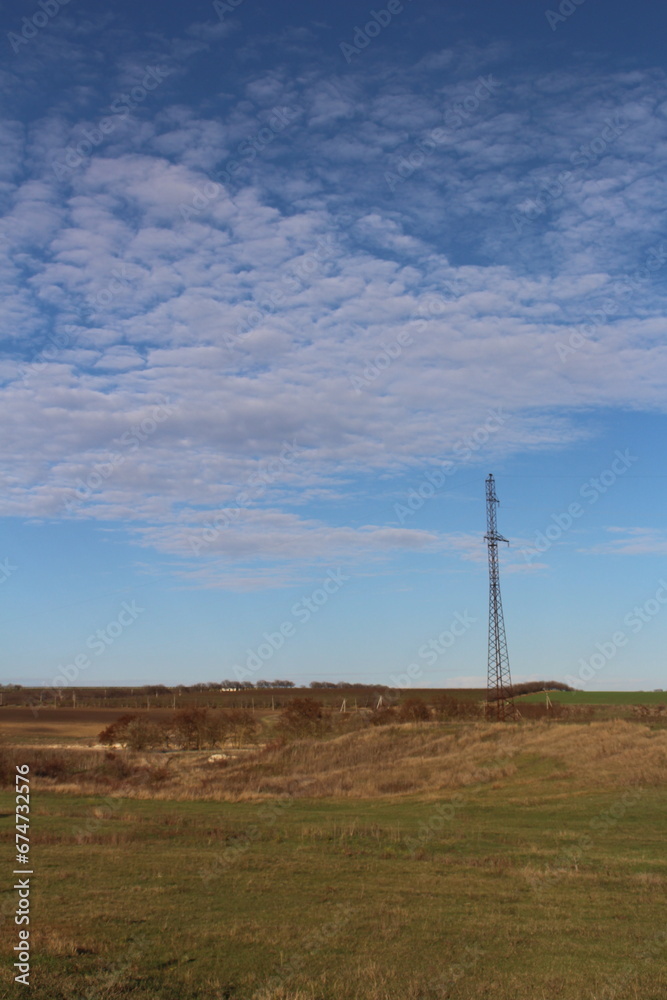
{"x":618,"y":698}
{"x":533,"y":885}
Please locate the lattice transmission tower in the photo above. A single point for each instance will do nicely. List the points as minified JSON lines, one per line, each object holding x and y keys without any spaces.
{"x":500,"y":704}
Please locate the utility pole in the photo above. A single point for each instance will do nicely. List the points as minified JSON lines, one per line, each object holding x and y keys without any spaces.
{"x":499,"y":701}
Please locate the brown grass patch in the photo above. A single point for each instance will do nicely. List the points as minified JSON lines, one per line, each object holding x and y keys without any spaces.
{"x":392,"y":760}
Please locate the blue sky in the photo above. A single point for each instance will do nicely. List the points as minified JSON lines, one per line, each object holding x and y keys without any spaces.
{"x":281,"y":285}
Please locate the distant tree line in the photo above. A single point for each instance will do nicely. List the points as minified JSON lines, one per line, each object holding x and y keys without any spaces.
{"x":345,"y":686}
{"x":257,"y":686}
{"x":204,"y":687}
{"x":529,"y":687}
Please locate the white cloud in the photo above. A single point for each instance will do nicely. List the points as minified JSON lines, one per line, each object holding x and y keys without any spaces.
{"x":254,"y":336}
{"x":633,"y":542}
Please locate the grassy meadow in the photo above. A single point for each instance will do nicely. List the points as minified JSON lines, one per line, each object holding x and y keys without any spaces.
{"x":615,"y":698}
{"x":460,"y":860}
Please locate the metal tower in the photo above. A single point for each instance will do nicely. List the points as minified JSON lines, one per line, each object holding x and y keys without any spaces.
{"x":500,"y":704}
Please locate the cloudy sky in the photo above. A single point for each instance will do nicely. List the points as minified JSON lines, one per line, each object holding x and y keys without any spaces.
{"x":281,"y":284}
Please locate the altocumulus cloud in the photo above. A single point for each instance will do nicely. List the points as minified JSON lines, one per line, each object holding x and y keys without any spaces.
{"x":170,"y":328}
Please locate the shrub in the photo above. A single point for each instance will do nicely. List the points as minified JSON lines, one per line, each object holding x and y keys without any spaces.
{"x":190,"y":728}
{"x":646,"y":711}
{"x":154,"y":777}
{"x":115,"y":733}
{"x":414,"y":710}
{"x":142,"y":734}
{"x":52,"y":765}
{"x":303,"y":717}
{"x":113,"y":768}
{"x":137,"y":732}
{"x":241,"y":724}
{"x":448,"y":707}
{"x":7,"y":767}
{"x":382,"y":716}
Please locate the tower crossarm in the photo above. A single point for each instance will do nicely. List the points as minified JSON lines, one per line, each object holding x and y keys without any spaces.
{"x":496,"y":538}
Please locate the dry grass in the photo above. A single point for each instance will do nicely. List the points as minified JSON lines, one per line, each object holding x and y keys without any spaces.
{"x":404,"y":760}
{"x":388,"y":761}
